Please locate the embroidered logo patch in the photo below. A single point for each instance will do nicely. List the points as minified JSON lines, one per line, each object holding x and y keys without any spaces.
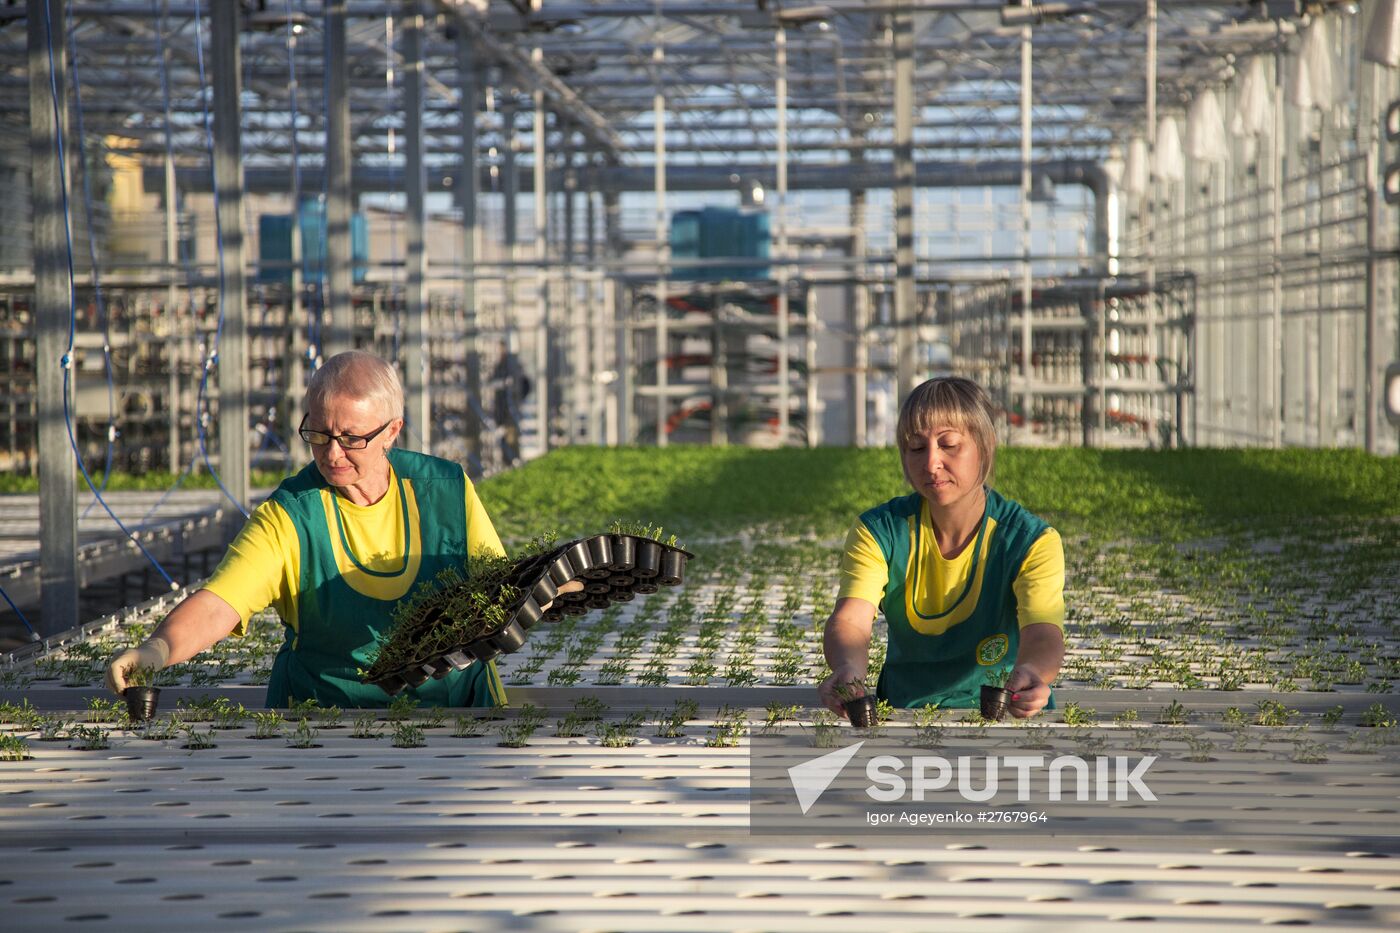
{"x":992,"y":649}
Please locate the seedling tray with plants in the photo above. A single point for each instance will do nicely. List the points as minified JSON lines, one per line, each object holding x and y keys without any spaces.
{"x":455,"y":621}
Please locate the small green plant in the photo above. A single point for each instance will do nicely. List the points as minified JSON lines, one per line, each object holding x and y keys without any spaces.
{"x":1173,"y":714}
{"x":301,"y":709}
{"x":267,"y":725}
{"x":304,"y":735}
{"x":1333,"y":716}
{"x":89,"y":738}
{"x":728,"y":728}
{"x":1377,"y":716}
{"x":435,"y":718}
{"x":401,"y":707}
{"x":1076,"y":715}
{"x":195,"y":740}
{"x":825,"y":733}
{"x":140,"y":675}
{"x":1200,"y":746}
{"x":332,"y":717}
{"x":1309,"y":753}
{"x":13,"y":748}
{"x":928,"y":725}
{"x":672,"y":725}
{"x":571,"y":726}
{"x":160,"y":729}
{"x":1126,"y":717}
{"x":622,"y":733}
{"x":468,"y":727}
{"x":101,"y":710}
{"x":590,"y":709}
{"x":366,"y":726}
{"x":1272,"y":713}
{"x":1234,"y":716}
{"x":52,"y":728}
{"x":408,"y":734}
{"x":515,"y":734}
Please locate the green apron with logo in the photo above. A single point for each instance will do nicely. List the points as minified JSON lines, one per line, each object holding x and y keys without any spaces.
{"x":949,"y":669}
{"x":339,"y":627}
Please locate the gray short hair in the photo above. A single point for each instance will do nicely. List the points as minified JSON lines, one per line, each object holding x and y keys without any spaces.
{"x":359,"y":375}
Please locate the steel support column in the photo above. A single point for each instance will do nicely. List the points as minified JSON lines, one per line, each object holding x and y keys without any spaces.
{"x":417,"y":360}
{"x":784,"y":326}
{"x":340,"y":335}
{"x":544,"y":397}
{"x":465,"y":186}
{"x":53,"y":297}
{"x":904,"y":295}
{"x":228,"y":179}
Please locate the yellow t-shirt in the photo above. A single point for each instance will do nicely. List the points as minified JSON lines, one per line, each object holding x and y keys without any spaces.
{"x":263,"y":565}
{"x":1039,"y":587}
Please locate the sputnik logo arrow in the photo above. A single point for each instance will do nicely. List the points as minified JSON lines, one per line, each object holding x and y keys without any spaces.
{"x":811,"y":778}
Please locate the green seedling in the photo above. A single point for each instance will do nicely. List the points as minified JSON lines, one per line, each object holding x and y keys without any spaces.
{"x":408,"y":735}
{"x":304,"y":735}
{"x":89,"y":738}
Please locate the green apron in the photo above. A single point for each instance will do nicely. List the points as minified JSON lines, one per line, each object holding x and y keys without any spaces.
{"x":949,"y":669}
{"x":338,"y":627}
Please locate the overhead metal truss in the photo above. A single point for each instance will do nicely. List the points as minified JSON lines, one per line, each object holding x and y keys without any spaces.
{"x":598,"y":73}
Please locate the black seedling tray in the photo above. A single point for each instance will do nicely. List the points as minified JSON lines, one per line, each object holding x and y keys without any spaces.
{"x":612,"y":567}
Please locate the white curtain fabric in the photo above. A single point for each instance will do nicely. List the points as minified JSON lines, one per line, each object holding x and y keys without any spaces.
{"x":1313,"y":84}
{"x":1254,"y":111}
{"x":1383,"y":34}
{"x":1205,"y":129}
{"x":1138,"y":172}
{"x":1171,"y":165}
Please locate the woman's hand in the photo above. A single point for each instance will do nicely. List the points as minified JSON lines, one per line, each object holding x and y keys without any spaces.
{"x":846,"y":643}
{"x":841,"y":686}
{"x":1029,"y":693}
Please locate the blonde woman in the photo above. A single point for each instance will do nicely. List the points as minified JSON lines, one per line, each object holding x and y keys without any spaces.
{"x":971,"y":584}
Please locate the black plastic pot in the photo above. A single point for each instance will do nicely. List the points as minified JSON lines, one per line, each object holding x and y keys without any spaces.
{"x":554,"y":614}
{"x":644,"y":588}
{"x":600,"y":549}
{"x":141,"y":702}
{"x":597,"y":602}
{"x":560,"y":569}
{"x":459,"y":659}
{"x":439,"y":668}
{"x":624,"y":552}
{"x":511,"y":638}
{"x":672,"y":568}
{"x":579,"y":559}
{"x":571,"y":599}
{"x":648,"y":559}
{"x":575,"y":608}
{"x":622,"y":596}
{"x":993,"y":701}
{"x":596,"y":588}
{"x":544,"y":590}
{"x":391,"y":684}
{"x":621,"y":581}
{"x":527,"y":613}
{"x":861,"y":711}
{"x":414,"y":676}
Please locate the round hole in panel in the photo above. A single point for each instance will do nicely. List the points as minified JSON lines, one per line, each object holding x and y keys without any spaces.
{"x":183,"y":897}
{"x":81,"y":918}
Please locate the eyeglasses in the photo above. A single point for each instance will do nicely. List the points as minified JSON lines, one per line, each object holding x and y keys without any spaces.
{"x":346,"y":441}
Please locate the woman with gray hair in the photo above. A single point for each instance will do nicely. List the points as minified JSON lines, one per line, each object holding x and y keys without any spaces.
{"x":334,"y":548}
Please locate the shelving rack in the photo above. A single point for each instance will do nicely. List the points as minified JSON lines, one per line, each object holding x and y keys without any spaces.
{"x":723,"y":355}
{"x":1111,"y":359}
{"x":157,"y":354}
